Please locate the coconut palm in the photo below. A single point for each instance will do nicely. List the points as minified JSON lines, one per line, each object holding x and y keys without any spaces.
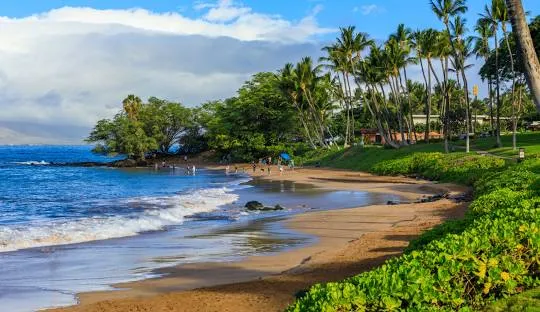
{"x":404,"y":37}
{"x":490,"y":16}
{"x":287,"y":83}
{"x":485,"y":32}
{"x":372,"y":72}
{"x":526,"y":47}
{"x":502,"y":16}
{"x":462,"y":51}
{"x":396,"y":59}
{"x":426,"y":48}
{"x":444,"y":10}
{"x":132,"y":106}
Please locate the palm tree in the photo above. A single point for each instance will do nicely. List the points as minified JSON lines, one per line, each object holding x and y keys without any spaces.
{"x":425,"y":44}
{"x":287,"y":83}
{"x":444,"y":10}
{"x":404,"y":37}
{"x":485,"y":32}
{"x":336,"y":61}
{"x":526,"y":47}
{"x":462,"y":51}
{"x":491,"y":16}
{"x":132,"y":106}
{"x":372,"y":72}
{"x":503,"y":20}
{"x":396,"y":59}
{"x":342,"y":58}
{"x":307,"y":77}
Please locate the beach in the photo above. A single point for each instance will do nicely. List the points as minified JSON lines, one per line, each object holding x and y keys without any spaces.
{"x":348,"y":241}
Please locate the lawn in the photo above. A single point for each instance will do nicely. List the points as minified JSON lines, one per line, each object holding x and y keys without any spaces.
{"x":530,"y":141}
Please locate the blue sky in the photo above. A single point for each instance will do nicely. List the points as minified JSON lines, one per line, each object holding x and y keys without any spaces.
{"x":66,"y":64}
{"x":376,"y":17}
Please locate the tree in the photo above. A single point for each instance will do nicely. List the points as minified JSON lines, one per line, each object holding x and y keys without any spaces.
{"x":481,"y":48}
{"x":444,"y":10}
{"x":491,"y":16}
{"x":526,"y":48}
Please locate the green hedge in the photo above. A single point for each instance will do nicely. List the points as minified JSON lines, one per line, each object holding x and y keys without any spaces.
{"x":459,"y":167}
{"x":463,"y":265}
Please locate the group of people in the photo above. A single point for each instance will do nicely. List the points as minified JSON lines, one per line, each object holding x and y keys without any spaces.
{"x":189,"y":169}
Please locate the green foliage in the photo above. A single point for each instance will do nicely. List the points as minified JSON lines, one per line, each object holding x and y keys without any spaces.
{"x":515,"y":180}
{"x":258,"y":122}
{"x":528,"y":301}
{"x":457,"y":167}
{"x":141,"y":128}
{"x":464,"y":265}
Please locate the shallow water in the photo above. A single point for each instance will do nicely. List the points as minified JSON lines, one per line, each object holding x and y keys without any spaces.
{"x":65,"y":230}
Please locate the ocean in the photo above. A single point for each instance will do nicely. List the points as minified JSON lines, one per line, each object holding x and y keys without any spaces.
{"x":66,"y":229}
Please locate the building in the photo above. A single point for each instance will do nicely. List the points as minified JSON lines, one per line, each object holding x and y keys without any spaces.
{"x":373,"y":136}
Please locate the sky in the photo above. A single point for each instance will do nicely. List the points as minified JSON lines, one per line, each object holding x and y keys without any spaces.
{"x":66,"y":64}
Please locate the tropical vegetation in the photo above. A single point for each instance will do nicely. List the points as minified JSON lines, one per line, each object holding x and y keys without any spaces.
{"x":358,"y":85}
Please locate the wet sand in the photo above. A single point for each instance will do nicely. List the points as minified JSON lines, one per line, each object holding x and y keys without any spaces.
{"x":349,"y":242}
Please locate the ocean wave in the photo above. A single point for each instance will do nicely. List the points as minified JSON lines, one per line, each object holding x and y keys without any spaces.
{"x":32,"y":163}
{"x":157,"y":213}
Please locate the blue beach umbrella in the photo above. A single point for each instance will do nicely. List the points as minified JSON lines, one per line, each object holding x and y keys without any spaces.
{"x":285,"y":156}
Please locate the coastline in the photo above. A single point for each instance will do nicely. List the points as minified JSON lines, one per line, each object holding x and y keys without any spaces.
{"x":349,"y":241}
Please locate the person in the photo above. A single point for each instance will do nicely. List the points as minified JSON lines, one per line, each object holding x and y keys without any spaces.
{"x":254,"y":166}
{"x":227,"y":169}
{"x":280,"y":169}
{"x":185,"y":158}
{"x":269,"y":168}
{"x":235,"y":169}
{"x":193,"y":170}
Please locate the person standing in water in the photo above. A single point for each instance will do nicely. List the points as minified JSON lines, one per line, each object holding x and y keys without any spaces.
{"x":193,"y":170}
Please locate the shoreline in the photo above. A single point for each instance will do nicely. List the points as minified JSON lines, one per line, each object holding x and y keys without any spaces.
{"x":349,"y":241}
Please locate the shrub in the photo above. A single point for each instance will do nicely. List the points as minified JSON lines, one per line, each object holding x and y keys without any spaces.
{"x":515,"y":180}
{"x":460,"y":265}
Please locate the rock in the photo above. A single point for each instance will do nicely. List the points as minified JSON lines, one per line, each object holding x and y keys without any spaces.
{"x":254,"y":205}
{"x":257,"y":206}
{"x":391,"y":202}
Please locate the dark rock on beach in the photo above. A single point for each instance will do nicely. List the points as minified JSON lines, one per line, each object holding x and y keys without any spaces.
{"x":254,"y":205}
{"x":258,"y":206}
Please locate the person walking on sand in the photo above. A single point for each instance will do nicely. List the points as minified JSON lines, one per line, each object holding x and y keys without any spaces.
{"x":280,"y":169}
{"x":254,"y":166}
{"x":269,"y":168}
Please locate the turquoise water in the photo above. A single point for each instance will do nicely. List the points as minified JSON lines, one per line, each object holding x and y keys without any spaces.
{"x":65,"y":230}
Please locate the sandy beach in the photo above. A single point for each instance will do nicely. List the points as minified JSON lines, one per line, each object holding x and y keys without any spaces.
{"x":349,"y":241}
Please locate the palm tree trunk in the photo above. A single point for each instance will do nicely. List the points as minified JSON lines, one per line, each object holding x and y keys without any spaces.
{"x":498,"y":95}
{"x":346,"y":143}
{"x":410,"y":106}
{"x":428,"y":102}
{"x":394,"y":87}
{"x":526,"y":48}
{"x":351,"y":111}
{"x":490,"y":90}
{"x":513,"y":85}
{"x":467,"y":108}
{"x":387,"y":137}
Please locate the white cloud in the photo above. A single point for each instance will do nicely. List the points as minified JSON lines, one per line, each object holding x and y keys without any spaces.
{"x":368,"y":9}
{"x":64,"y":69}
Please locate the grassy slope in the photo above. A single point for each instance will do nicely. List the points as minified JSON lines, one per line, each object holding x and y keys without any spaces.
{"x":530,"y":141}
{"x":363,"y":159}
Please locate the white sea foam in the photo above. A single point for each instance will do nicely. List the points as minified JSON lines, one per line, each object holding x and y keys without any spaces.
{"x":157,"y":213}
{"x":32,"y":163}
